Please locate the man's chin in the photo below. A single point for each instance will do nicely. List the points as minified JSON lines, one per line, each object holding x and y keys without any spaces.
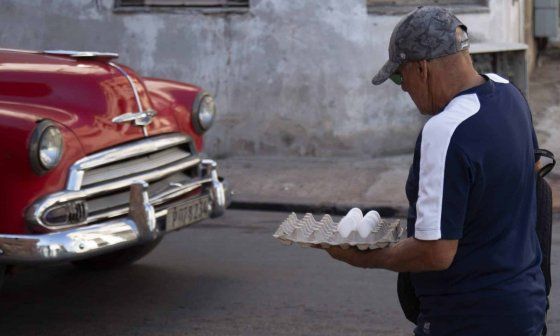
{"x":425,"y":113}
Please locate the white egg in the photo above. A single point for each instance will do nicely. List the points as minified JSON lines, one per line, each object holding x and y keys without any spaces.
{"x":374,"y":215}
{"x":356,"y":214}
{"x":369,"y":223}
{"x":366,"y":226}
{"x":346,"y":226}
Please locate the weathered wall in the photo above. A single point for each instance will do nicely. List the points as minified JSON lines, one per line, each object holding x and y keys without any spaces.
{"x":290,"y":77}
{"x":529,"y":38}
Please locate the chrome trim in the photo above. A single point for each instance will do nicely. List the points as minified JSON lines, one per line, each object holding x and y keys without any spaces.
{"x":135,"y":92}
{"x":36,"y":211}
{"x":131,"y":223}
{"x":219,"y":193}
{"x":75,"y":179}
{"x":88,"y":241}
{"x":82,"y":54}
{"x":69,"y":244}
{"x":195,"y":118}
{"x":138,"y":148}
{"x":154,"y":200}
{"x":34,"y":144}
{"x":139,"y":118}
{"x":74,"y":189}
{"x":142,"y":212}
{"x":178,"y":191}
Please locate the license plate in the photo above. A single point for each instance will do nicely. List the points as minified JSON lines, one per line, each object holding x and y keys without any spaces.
{"x":186,"y":213}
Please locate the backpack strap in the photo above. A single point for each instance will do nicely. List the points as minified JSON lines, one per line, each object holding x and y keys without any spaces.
{"x":407,"y":297}
{"x":544,"y":218}
{"x":540,"y":153}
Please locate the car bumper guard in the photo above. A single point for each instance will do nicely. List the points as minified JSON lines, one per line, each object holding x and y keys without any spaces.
{"x":96,"y":239}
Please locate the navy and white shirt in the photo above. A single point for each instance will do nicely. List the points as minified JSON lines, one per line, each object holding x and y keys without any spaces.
{"x":473,"y":179}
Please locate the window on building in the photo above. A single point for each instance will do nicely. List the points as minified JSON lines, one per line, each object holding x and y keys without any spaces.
{"x":404,"y":6}
{"x":210,"y":4}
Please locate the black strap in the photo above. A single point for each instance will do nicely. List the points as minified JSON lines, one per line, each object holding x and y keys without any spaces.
{"x":544,"y":170}
{"x":407,"y":297}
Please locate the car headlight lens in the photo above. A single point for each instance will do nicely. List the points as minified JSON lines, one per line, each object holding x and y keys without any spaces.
{"x":45,"y":150}
{"x":207,"y":112}
{"x":204,"y":112}
{"x":50,"y":147}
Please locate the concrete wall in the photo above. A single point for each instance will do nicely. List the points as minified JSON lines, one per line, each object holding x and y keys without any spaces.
{"x":290,"y":77}
{"x":529,"y":38}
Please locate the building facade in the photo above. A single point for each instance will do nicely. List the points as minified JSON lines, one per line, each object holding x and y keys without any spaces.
{"x":289,"y":77}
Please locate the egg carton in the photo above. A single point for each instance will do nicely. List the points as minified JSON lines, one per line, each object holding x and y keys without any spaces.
{"x":308,"y":231}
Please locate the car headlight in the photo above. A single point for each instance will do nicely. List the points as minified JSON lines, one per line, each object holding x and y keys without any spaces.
{"x":45,"y":150}
{"x":204,"y":112}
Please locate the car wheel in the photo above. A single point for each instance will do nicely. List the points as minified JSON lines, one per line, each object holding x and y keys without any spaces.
{"x":3,"y":269}
{"x":118,"y":258}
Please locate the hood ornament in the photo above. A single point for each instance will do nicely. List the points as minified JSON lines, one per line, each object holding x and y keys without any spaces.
{"x":140,"y":118}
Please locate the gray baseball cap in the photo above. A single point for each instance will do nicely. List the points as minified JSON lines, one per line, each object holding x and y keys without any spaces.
{"x":423,"y":34}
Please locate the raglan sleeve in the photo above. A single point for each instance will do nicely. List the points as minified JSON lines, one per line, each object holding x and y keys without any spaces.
{"x":444,"y":187}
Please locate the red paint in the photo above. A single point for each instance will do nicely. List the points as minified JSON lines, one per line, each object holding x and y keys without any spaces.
{"x":82,"y":96}
{"x":177,"y":99}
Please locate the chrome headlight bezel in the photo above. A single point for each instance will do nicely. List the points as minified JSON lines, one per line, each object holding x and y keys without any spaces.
{"x":204,"y":112}
{"x":46,"y":143}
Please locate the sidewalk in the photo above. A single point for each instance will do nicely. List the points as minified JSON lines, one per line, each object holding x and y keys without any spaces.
{"x":334,"y":185}
{"x":326,"y":185}
{"x":318,"y":185}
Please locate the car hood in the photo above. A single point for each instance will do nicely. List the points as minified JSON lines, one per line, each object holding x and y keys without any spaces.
{"x":85,"y":95}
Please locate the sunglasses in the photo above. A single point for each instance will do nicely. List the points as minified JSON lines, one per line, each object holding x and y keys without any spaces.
{"x":397,"y":78}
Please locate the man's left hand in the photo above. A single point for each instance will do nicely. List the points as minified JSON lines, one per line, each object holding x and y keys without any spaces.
{"x":351,"y":255}
{"x":408,"y":255}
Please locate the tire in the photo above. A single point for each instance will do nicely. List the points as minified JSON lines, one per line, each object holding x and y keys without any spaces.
{"x":118,"y":258}
{"x":3,"y":269}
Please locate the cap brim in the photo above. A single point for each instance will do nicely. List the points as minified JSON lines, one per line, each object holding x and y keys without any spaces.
{"x":386,"y":71}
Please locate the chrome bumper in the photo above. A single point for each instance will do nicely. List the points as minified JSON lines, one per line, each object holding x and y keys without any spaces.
{"x":87,"y":241}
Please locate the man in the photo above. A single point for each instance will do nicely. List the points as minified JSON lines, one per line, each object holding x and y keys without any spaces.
{"x":472,"y":247}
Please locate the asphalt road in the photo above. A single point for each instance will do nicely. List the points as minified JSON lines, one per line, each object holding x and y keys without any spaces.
{"x":221,"y":277}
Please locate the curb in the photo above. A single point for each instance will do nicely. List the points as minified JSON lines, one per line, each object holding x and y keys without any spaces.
{"x":334,"y":209}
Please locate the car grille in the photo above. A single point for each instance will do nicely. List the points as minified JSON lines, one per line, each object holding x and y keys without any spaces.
{"x":114,"y":204}
{"x":136,"y":165}
{"x":101,"y":182}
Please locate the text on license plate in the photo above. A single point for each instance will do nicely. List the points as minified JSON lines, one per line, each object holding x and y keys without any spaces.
{"x":187,"y":213}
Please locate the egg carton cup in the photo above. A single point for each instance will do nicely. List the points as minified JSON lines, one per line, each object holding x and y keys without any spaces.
{"x":308,"y":231}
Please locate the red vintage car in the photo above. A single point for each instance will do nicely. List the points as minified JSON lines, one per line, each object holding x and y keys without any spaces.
{"x":97,"y":164}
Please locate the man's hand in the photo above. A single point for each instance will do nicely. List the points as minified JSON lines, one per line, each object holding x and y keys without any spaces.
{"x":351,"y":255}
{"x":409,"y":255}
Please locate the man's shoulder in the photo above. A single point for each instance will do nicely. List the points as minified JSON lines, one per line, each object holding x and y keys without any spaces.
{"x":441,"y":128}
{"x":472,"y":112}
{"x":462,"y":107}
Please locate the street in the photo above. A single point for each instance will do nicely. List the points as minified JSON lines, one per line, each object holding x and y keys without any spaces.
{"x":226,"y":276}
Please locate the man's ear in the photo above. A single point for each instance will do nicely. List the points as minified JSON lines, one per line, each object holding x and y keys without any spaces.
{"x":422,"y":69}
